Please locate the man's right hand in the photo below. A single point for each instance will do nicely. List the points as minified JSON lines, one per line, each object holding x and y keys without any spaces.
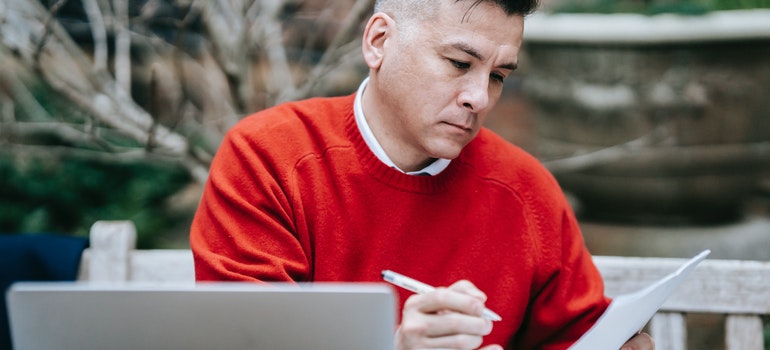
{"x":447,"y":318}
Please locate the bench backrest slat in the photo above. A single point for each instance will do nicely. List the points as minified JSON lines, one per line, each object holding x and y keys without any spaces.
{"x":717,"y":286}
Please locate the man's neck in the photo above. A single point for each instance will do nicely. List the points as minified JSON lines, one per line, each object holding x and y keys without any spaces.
{"x":375,"y":134}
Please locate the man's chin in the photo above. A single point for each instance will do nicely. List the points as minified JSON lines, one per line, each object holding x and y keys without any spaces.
{"x":447,"y":152}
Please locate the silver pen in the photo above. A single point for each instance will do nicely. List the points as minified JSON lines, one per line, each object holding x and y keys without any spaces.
{"x":418,"y":287}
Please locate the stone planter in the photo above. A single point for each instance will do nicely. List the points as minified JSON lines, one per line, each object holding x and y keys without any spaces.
{"x":686,"y":98}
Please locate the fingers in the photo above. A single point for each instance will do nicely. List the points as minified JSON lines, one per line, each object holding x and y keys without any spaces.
{"x":466,"y":287}
{"x":641,"y":341}
{"x":492,"y":347}
{"x":446,"y":330}
{"x":462,"y":297}
{"x":457,"y":341}
{"x":448,"y":318}
{"x":445,"y":323}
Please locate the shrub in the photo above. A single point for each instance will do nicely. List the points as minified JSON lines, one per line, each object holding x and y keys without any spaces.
{"x":67,"y":195}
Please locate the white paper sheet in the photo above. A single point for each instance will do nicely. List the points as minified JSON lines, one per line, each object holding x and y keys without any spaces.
{"x":628,"y":313}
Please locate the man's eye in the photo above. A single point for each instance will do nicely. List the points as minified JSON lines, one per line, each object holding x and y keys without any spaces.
{"x":498,"y":77}
{"x":460,"y":65}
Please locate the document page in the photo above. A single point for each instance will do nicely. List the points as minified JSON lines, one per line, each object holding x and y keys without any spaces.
{"x":628,"y":313}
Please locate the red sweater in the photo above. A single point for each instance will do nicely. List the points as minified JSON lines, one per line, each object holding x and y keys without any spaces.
{"x":295,"y":194}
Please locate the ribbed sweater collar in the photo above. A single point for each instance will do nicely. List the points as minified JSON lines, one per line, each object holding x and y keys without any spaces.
{"x":389,"y":176}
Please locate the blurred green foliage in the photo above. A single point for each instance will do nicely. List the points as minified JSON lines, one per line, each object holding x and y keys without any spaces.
{"x":66,"y":196}
{"x":653,"y":7}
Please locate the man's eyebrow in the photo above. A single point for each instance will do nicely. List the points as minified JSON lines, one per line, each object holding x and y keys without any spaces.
{"x":509,"y":66}
{"x":477,"y":55}
{"x":468,"y":49}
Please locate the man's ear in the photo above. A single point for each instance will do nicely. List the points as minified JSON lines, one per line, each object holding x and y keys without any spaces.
{"x":378,"y":30}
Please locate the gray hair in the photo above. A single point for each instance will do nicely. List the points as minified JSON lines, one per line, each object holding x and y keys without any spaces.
{"x":396,"y":7}
{"x":406,"y":9}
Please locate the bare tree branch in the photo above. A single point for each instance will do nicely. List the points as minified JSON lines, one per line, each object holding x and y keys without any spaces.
{"x":239,"y":64}
{"x":358,"y":13}
{"x":601,"y":156}
{"x":7,"y":114}
{"x":125,"y":157}
{"x":226,"y":29}
{"x":60,"y":63}
{"x":99,"y":33}
{"x":282,"y":80}
{"x":46,"y":27}
{"x":19,"y":92}
{"x":122,"y":46}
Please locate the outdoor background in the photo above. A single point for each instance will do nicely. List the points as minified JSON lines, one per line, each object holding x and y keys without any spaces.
{"x":113,"y":109}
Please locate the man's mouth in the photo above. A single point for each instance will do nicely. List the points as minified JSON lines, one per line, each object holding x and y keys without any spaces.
{"x":463,"y":127}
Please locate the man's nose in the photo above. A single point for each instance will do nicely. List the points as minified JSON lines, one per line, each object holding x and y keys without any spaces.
{"x":475,"y":94}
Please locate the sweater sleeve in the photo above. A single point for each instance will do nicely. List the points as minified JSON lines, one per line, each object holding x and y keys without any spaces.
{"x":567,"y":296}
{"x":570,"y":301}
{"x":244,"y":228}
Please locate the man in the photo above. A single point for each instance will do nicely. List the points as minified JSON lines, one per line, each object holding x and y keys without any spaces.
{"x":402,"y":176}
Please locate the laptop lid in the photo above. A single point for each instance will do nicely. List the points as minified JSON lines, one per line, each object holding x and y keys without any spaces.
{"x":78,"y":315}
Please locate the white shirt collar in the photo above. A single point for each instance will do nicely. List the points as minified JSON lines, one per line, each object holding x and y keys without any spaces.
{"x":432,"y":169}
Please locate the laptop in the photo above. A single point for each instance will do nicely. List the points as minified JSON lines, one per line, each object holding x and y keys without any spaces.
{"x":82,"y":315}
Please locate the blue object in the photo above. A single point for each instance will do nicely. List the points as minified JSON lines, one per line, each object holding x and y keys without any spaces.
{"x":35,"y":257}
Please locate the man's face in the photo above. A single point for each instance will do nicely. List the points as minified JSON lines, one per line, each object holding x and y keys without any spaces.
{"x":439,"y":81}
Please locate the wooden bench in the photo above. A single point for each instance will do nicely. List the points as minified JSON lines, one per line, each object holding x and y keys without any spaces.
{"x":740,"y":290}
{"x":112,"y":257}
